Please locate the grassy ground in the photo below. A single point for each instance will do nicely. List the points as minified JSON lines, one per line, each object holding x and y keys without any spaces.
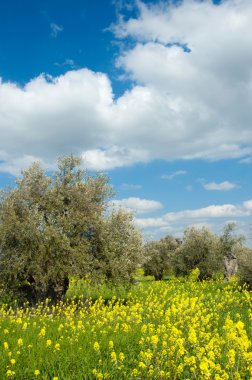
{"x":170,"y":329}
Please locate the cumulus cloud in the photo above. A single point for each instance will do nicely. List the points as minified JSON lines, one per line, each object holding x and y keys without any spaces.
{"x":53,"y":116}
{"x":191,"y":97}
{"x":213,"y":211}
{"x":199,"y":87}
{"x":144,"y":223}
{"x":197,"y":216}
{"x":222,"y":186}
{"x":248,"y":204}
{"x":15,"y":165}
{"x":173,"y":175}
{"x":114,"y":157}
{"x":137,"y":205}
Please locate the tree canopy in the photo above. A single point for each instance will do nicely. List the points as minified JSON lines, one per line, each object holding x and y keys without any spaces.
{"x":199,"y":249}
{"x":55,"y":226}
{"x":158,"y":256}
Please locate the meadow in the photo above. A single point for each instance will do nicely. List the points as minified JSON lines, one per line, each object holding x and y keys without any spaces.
{"x":172,"y":329}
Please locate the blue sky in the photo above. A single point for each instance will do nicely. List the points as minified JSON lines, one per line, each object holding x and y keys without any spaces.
{"x":156,"y":94}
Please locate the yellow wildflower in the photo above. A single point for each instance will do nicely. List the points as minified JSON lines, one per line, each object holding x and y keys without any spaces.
{"x":96,"y":346}
{"x":113,"y":356}
{"x":20,"y":342}
{"x":10,"y":373}
{"x":154,"y":340}
{"x":121,"y":356}
{"x":42,"y":332}
{"x":142,"y":365}
{"x":231,"y":357}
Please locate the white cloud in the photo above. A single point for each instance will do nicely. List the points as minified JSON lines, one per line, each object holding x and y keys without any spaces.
{"x":248,"y":204}
{"x":138,"y":205}
{"x":191,"y":83}
{"x":199,"y":216}
{"x":222,"y":186}
{"x":184,"y":105}
{"x":54,"y":116}
{"x":173,"y":175}
{"x":247,"y":160}
{"x":14,"y":166}
{"x":212,"y":211}
{"x":143,"y":223}
{"x":55,"y":29}
{"x":114,"y":157}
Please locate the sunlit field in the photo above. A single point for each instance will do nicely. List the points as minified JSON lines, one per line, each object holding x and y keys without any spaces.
{"x":158,"y":330}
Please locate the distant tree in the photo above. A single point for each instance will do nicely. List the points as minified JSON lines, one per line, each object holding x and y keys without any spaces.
{"x":158,"y":256}
{"x":47,"y":229}
{"x":229,"y":246}
{"x":245,"y":266}
{"x":199,"y":249}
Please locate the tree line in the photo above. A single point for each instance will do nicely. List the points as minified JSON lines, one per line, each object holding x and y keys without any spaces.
{"x":56,"y":226}
{"x":213,"y":255}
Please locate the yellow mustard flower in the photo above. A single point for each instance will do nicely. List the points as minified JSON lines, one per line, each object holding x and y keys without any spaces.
{"x":57,"y":346}
{"x":20,"y":342}
{"x":10,"y":373}
{"x":96,"y":346}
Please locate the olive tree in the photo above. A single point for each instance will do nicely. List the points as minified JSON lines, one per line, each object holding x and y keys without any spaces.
{"x":199,"y":249}
{"x":47,"y":224}
{"x":230,"y":245}
{"x":116,"y":248}
{"x":158,"y":255}
{"x":245,"y":266}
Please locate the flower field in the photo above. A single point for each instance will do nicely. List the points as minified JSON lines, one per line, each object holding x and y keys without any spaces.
{"x":162,"y":330}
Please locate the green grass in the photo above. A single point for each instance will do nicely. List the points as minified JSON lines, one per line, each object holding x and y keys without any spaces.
{"x":170,"y":329}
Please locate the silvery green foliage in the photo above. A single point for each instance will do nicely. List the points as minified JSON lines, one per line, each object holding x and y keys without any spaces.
{"x":53,"y":227}
{"x":158,"y":256}
{"x":199,"y":249}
